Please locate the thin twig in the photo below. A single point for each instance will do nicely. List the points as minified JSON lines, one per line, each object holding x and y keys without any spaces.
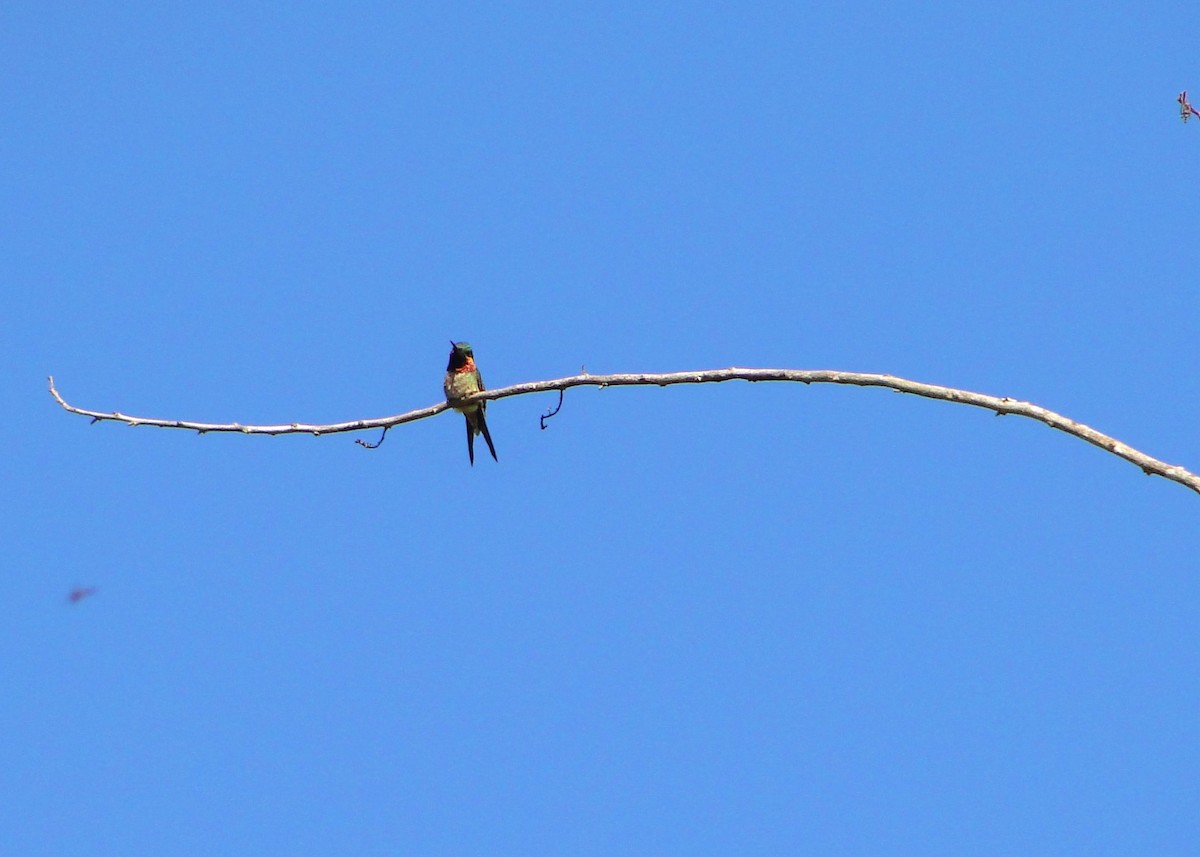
{"x":377,"y":443}
{"x":1001,"y":405}
{"x":557,"y":408}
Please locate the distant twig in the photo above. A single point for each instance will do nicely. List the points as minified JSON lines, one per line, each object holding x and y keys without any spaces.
{"x":1186,"y":110}
{"x":1000,"y":405}
{"x":79,"y":593}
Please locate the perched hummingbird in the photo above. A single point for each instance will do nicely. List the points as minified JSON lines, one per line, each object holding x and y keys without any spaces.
{"x":463,"y":379}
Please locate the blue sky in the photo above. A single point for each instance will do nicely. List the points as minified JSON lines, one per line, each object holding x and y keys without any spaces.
{"x":730,"y":619}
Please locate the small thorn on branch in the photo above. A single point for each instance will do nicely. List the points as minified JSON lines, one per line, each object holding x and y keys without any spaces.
{"x":365,"y":445}
{"x":557,"y":408}
{"x":1186,"y":110}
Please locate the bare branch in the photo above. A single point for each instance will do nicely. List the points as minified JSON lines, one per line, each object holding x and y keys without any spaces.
{"x":289,"y":428}
{"x":1000,"y":405}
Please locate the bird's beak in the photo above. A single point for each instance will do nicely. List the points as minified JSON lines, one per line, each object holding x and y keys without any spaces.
{"x":453,"y":345}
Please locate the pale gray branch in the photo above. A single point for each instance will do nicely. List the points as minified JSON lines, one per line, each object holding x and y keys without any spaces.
{"x":1000,"y":405}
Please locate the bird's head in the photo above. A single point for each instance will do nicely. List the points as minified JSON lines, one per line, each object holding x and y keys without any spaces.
{"x":460,"y":353}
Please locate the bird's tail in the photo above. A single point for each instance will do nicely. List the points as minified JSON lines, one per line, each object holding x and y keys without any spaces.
{"x":487,"y":435}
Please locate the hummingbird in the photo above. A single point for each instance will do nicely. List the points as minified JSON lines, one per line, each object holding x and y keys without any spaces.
{"x":463,"y":379}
